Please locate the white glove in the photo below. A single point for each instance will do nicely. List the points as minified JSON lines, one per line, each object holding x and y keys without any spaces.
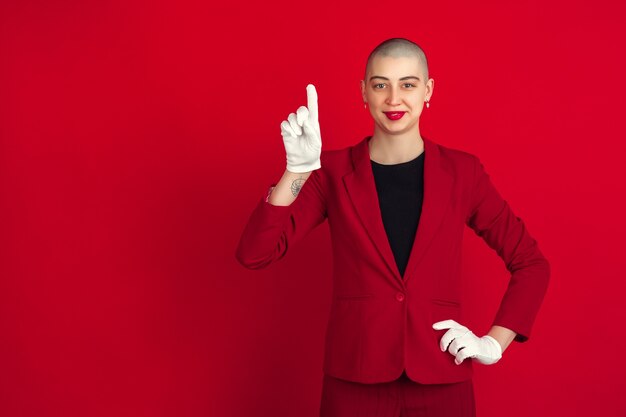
{"x":466,"y":344}
{"x":301,"y":135}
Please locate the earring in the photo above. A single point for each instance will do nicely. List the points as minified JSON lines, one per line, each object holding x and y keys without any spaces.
{"x":365,"y":105}
{"x":427,"y":104}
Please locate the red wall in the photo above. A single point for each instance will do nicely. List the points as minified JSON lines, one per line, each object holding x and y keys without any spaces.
{"x":136,"y":138}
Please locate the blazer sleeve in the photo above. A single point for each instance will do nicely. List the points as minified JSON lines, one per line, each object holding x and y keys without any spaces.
{"x":492,"y":219}
{"x":272,"y":229}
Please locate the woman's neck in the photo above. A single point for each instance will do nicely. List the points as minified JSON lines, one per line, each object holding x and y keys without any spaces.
{"x":395,"y":149}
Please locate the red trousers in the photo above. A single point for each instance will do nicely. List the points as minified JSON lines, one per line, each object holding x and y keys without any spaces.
{"x":400,"y":398}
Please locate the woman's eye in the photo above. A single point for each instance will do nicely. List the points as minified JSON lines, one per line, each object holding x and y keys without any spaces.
{"x":376,"y":86}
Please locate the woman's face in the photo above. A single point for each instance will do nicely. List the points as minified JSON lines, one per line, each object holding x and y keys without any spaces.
{"x":396,"y":84}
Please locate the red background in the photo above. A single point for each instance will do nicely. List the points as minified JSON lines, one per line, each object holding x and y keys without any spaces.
{"x":136,"y":138}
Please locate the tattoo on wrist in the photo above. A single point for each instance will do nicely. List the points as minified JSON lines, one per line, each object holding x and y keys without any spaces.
{"x":296,"y":186}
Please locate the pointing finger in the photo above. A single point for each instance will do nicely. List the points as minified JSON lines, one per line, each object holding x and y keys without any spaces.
{"x":311,"y":95}
{"x":316,"y":140}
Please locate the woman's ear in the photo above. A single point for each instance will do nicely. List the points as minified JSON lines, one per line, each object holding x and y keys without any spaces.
{"x":363,"y":90}
{"x":430,"y":86}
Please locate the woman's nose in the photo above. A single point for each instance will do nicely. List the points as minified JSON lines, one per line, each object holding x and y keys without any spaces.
{"x":394,"y":96}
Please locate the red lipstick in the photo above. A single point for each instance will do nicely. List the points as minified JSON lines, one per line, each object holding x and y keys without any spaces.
{"x":394,"y":115}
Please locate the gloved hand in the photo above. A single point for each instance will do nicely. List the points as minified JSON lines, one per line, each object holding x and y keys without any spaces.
{"x":301,"y":135}
{"x":466,"y":344}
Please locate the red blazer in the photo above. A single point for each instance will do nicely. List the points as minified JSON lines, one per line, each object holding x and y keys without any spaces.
{"x":381,"y":323}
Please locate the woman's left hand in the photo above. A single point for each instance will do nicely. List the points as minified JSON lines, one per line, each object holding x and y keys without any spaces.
{"x":465,"y":344}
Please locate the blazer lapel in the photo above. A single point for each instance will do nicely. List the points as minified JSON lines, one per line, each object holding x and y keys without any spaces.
{"x":361,"y":188}
{"x":437,"y":193}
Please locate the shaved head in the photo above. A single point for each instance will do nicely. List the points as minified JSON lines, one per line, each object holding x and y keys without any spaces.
{"x":399,"y":47}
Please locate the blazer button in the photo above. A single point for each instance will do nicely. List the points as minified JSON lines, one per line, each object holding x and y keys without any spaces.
{"x":399,"y":296}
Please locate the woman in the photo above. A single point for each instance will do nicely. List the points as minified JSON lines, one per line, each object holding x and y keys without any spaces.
{"x":395,"y":344}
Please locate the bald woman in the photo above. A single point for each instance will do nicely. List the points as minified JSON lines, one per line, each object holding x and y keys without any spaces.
{"x":397,"y":204}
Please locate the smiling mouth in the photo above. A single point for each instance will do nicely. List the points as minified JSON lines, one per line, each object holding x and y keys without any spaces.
{"x":394,"y":115}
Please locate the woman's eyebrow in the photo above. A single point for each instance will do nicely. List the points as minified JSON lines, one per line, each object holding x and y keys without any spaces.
{"x":408,"y":77}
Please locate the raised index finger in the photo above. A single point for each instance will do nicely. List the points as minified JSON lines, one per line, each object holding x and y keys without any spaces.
{"x":311,"y":97}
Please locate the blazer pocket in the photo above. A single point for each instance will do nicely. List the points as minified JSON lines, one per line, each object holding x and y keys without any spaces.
{"x":442,"y":302}
{"x":442,"y":309}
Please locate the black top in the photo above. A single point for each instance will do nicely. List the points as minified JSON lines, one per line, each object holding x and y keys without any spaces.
{"x":400,"y":190}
